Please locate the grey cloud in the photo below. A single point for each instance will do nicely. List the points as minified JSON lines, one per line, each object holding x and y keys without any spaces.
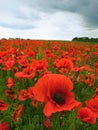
{"x":17,"y":15}
{"x":86,"y":8}
{"x":31,"y":10}
{"x":16,"y":26}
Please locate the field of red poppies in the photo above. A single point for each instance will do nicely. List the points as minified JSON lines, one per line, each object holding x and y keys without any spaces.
{"x":48,"y":85}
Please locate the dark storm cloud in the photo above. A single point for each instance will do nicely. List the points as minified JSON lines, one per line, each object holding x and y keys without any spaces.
{"x":88,"y":9}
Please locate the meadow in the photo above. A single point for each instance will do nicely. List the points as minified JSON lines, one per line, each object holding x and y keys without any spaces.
{"x":48,"y":85}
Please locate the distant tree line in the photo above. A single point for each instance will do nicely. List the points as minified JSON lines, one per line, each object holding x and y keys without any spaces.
{"x":85,"y":39}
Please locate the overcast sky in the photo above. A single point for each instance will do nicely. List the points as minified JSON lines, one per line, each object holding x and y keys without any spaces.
{"x":48,"y":19}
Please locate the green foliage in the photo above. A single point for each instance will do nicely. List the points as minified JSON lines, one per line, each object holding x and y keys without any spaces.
{"x":83,"y":92}
{"x":85,"y":39}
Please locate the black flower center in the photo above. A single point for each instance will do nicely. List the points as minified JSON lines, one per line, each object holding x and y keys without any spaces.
{"x":58,"y":98}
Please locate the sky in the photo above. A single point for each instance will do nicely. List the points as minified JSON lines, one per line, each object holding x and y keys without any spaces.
{"x":48,"y":19}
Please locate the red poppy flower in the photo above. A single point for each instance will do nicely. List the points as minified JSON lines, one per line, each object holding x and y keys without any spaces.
{"x":28,"y":73}
{"x":93,"y":105}
{"x":47,"y":51}
{"x":10,"y":82}
{"x":2,"y":56}
{"x":71,"y":51}
{"x":63,"y":63}
{"x":4,"y":126}
{"x":40,"y":65}
{"x":87,"y":49}
{"x":95,"y":53}
{"x":23,"y":62}
{"x":3,"y":105}
{"x":56,"y":91}
{"x":47,"y":123}
{"x":9,"y":64}
{"x":18,"y":112}
{"x":51,"y":55}
{"x":31,"y":54}
{"x":23,"y":95}
{"x":87,"y":115}
{"x":63,"y":70}
{"x":19,"y":75}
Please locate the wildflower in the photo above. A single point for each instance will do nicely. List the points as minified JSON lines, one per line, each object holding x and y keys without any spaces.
{"x":9,"y":63}
{"x":28,"y":73}
{"x":23,"y":62}
{"x":19,"y":75}
{"x":47,"y":123}
{"x":93,"y":105}
{"x":56,"y":91}
{"x":87,"y":115}
{"x":4,"y":126}
{"x":63,"y":63}
{"x":18,"y":112}
{"x":23,"y":95}
{"x":10,"y":82}
{"x":3,"y":105}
